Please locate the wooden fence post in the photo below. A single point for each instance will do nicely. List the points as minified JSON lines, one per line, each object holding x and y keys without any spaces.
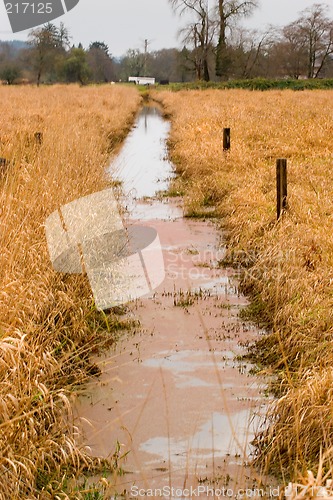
{"x":4,"y":164}
{"x":38,"y":137}
{"x":226,"y":139}
{"x":281,"y":186}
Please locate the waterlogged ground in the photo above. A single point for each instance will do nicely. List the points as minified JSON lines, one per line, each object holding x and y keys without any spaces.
{"x":176,"y":393}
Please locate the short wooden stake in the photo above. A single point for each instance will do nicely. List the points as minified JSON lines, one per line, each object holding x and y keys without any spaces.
{"x":226,"y":139}
{"x":38,"y":137}
{"x":4,"y":164}
{"x":281,"y":186}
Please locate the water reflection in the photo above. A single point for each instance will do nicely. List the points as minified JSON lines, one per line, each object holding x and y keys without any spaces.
{"x":142,"y":164}
{"x":216,"y":436}
{"x":174,"y":393}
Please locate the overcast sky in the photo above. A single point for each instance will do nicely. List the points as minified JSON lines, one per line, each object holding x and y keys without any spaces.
{"x":124,"y":24}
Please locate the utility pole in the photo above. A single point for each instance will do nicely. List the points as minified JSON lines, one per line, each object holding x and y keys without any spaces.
{"x":145,"y":55}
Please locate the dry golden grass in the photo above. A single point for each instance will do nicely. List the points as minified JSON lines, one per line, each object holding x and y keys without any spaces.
{"x":289,"y":264}
{"x":48,"y":323}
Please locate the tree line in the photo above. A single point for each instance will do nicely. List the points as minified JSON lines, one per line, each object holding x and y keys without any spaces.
{"x":49,"y":57}
{"x":220,"y":48}
{"x":215,"y":46}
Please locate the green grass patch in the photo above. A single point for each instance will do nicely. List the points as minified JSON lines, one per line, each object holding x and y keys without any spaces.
{"x":254,"y":84}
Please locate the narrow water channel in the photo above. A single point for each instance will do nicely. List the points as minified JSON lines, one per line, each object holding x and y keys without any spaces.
{"x":175,"y":393}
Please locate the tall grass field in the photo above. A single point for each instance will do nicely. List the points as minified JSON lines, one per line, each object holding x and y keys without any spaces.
{"x":287,"y":265}
{"x":55,"y":144}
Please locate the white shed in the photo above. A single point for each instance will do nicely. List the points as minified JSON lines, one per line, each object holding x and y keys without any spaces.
{"x":142,"y":80}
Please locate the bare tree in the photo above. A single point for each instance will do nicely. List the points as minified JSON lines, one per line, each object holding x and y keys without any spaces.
{"x":292,"y":49}
{"x":209,"y":23}
{"x":132,"y":63}
{"x":199,"y":33}
{"x":251,"y":51}
{"x":10,"y":72}
{"x":310,"y":37}
{"x":100,"y":62}
{"x":228,"y":12}
{"x":63,"y":37}
{"x":45,"y":44}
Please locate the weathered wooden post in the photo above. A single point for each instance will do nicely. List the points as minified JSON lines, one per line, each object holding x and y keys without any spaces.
{"x":4,"y":164}
{"x":281,"y":186}
{"x":226,"y":139}
{"x":38,"y":137}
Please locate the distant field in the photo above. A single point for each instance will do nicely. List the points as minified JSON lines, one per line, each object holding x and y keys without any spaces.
{"x":55,"y":143}
{"x":289,"y":265}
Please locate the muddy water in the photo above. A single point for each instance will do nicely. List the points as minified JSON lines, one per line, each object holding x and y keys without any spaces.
{"x":175,"y":392}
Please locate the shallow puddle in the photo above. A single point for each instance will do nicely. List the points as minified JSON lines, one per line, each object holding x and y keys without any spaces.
{"x":175,"y":392}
